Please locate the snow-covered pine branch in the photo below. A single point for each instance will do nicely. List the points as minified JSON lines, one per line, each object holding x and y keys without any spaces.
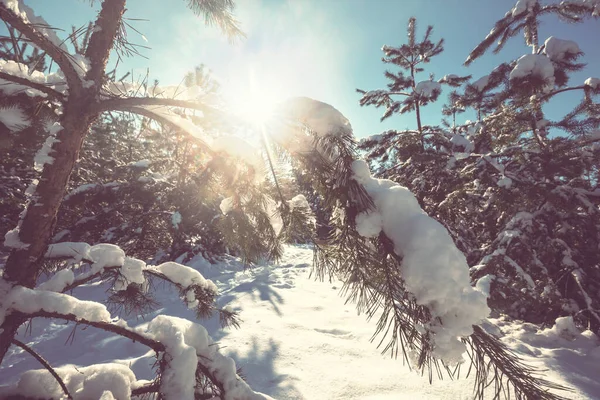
{"x":180,"y":362}
{"x":396,"y":261}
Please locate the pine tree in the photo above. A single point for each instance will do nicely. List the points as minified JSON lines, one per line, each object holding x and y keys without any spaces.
{"x":82,"y":92}
{"x":543,"y":212}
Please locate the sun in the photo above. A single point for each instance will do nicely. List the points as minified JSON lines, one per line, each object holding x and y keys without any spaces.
{"x":254,"y":100}
{"x":255,"y":108}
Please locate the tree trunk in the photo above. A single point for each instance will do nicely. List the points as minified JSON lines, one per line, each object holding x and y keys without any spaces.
{"x":24,"y":265}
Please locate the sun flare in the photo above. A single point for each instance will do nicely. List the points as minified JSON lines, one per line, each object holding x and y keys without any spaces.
{"x":254,"y":101}
{"x":256,"y":109}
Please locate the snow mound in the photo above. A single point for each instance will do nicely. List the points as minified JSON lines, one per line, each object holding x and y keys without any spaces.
{"x":98,"y":381}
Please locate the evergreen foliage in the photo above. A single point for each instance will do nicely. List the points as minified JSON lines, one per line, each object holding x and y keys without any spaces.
{"x":517,"y":191}
{"x":153,"y":177}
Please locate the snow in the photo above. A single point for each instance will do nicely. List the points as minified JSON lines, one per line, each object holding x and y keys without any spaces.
{"x":14,"y":118}
{"x":30,"y":301}
{"x":51,"y":80}
{"x":74,"y":250}
{"x":188,"y":343}
{"x":461,"y":141}
{"x":433,"y":269}
{"x":504,"y":182}
{"x":321,"y":118}
{"x":176,"y":219}
{"x":142,"y":164}
{"x":132,"y":270}
{"x":428,"y":89}
{"x":178,"y":380}
{"x":298,"y":340}
{"x":102,"y":381}
{"x":106,"y":255}
{"x":182,"y":123}
{"x":88,"y":187}
{"x":594,"y":83}
{"x":299,"y":201}
{"x":12,"y":240}
{"x":184,"y":276}
{"x":536,"y":65}
{"x":481,"y":83}
{"x":59,"y":281}
{"x":369,"y":224}
{"x":484,"y":283}
{"x":558,"y":49}
{"x":43,"y":156}
{"x":523,"y":6}
{"x":226,"y":205}
{"x":449,"y":77}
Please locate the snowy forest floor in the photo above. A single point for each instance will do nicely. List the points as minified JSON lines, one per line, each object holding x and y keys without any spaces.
{"x":298,"y":340}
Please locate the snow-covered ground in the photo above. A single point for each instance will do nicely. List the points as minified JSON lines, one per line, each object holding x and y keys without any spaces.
{"x":298,"y":340}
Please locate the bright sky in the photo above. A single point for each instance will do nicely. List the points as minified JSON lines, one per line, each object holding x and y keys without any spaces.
{"x":323,"y":49}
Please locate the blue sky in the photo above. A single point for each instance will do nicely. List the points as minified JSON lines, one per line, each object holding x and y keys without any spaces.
{"x":323,"y":49}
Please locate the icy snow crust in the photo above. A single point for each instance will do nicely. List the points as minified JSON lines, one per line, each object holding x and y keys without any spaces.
{"x":434,"y":270}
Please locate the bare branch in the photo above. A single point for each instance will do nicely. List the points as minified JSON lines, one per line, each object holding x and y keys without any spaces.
{"x":34,"y":85}
{"x":153,"y":387}
{"x":46,"y":365}
{"x":107,"y":326}
{"x":60,"y":57}
{"x":86,"y":279}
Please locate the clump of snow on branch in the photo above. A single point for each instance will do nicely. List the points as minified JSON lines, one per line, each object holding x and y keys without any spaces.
{"x":142,"y":164}
{"x":434,"y":270}
{"x":481,"y":83}
{"x":428,"y":89}
{"x":299,"y":201}
{"x":187,"y":278}
{"x":504,"y":182}
{"x":176,"y":219}
{"x":523,"y":6}
{"x":30,"y":301}
{"x":101,"y":256}
{"x":53,"y":80}
{"x":537,"y":65}
{"x":188,"y":343}
{"x":12,"y":239}
{"x":321,"y":118}
{"x":558,"y":49}
{"x":14,"y":118}
{"x":594,"y":83}
{"x":226,"y":205}
{"x":93,"y":382}
{"x":59,"y":281}
{"x":74,"y":250}
{"x":43,"y":156}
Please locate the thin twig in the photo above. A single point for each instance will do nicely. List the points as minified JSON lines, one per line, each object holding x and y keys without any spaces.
{"x":42,"y":361}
